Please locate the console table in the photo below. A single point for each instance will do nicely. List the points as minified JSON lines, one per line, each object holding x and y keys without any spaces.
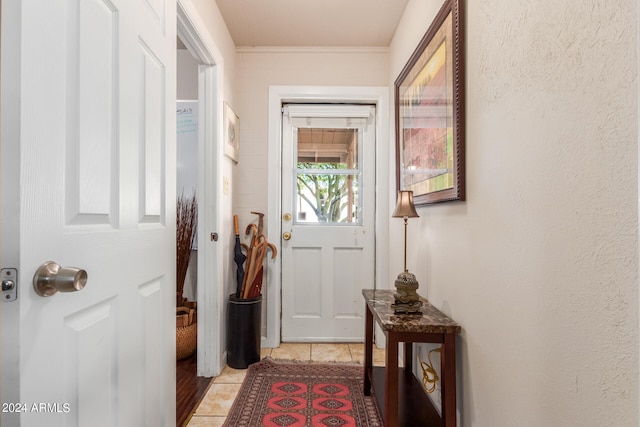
{"x":400,"y":396}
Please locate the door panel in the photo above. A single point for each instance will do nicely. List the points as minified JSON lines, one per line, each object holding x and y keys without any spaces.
{"x":95,"y":138}
{"x":347,"y":299}
{"x":91,"y":93}
{"x":153,"y":136}
{"x":307,"y":296}
{"x":328,"y":187}
{"x":90,"y":337}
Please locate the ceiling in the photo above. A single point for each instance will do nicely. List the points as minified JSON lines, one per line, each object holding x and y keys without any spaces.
{"x":327,"y":145}
{"x":323,"y":23}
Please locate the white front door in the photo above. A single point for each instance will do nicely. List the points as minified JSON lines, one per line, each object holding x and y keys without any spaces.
{"x":88,"y":180}
{"x":328,"y":205}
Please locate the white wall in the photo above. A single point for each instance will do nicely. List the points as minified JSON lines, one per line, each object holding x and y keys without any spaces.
{"x":187,"y":73}
{"x":540,"y":264}
{"x":259,"y":68}
{"x":187,"y":89}
{"x":210,"y":15}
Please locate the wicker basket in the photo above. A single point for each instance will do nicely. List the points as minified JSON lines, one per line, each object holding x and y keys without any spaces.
{"x":186,"y":341}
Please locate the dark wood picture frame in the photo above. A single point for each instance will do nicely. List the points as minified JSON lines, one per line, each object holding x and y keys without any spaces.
{"x":429,"y":112}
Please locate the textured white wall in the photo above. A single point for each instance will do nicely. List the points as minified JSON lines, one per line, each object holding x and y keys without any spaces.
{"x":540,"y":264}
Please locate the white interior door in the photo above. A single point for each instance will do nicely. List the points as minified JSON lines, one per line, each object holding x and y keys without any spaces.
{"x":328,"y":205}
{"x":88,"y":180}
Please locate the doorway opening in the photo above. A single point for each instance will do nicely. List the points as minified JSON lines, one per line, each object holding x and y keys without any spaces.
{"x":190,"y":388}
{"x":279,"y":96}
{"x":207,"y":87}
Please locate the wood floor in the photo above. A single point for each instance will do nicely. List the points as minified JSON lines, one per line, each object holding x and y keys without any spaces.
{"x":190,"y":389}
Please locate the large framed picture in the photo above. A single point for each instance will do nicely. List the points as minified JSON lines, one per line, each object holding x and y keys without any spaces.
{"x":429,"y":113}
{"x":231,"y":132}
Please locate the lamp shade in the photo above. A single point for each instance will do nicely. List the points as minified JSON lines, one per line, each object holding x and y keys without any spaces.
{"x":405,"y":206}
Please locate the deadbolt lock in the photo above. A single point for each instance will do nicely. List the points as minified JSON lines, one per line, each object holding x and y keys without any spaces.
{"x":286,"y":235}
{"x":286,"y":217}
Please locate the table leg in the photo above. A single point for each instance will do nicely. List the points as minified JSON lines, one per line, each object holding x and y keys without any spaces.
{"x":391,"y":381}
{"x":448,"y":384}
{"x":408,"y":358}
{"x":368,"y":350}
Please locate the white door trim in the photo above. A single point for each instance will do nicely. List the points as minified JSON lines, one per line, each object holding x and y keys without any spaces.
{"x":310,"y":94}
{"x":10,"y":134}
{"x":194,"y":34}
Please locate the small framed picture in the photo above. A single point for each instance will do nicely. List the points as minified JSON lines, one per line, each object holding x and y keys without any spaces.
{"x":231,"y":132}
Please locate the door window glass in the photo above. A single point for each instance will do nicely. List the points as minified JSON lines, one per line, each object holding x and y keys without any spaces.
{"x":328,"y":176}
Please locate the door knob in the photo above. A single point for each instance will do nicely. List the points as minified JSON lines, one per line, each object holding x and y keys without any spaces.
{"x":51,"y":278}
{"x":286,"y":235}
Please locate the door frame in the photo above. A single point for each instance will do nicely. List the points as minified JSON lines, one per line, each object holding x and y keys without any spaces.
{"x":10,"y":133}
{"x":194,"y":34}
{"x":278,"y":95}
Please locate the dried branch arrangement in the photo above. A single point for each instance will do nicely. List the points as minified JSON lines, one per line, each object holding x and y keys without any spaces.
{"x":186,"y":220}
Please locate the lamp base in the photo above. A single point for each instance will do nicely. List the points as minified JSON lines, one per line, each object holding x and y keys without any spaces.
{"x":406,"y":298}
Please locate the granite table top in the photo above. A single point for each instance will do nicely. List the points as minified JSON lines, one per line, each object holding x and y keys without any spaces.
{"x":428,"y":320}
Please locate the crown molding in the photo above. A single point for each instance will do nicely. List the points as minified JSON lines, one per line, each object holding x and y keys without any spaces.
{"x":311,"y":49}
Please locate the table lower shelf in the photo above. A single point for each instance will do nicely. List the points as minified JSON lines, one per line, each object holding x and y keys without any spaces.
{"x":414,"y":407}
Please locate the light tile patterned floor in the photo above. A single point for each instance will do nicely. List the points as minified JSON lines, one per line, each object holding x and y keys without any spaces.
{"x":216,"y":404}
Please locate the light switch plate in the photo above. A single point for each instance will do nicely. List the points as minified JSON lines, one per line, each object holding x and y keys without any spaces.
{"x":225,"y":185}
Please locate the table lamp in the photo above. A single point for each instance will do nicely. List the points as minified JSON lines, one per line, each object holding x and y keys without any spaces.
{"x":406,"y":298}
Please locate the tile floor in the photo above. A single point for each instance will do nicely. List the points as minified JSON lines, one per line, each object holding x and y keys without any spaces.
{"x":217,"y":402}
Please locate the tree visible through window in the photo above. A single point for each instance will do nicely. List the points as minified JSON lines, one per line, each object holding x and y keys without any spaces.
{"x":328,"y":176}
{"x":332,"y":197}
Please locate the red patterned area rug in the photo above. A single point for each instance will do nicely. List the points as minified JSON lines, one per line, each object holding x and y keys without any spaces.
{"x":283,"y":394}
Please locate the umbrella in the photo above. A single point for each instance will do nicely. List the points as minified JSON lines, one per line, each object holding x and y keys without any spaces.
{"x":239,"y":258}
{"x":256,"y":286}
